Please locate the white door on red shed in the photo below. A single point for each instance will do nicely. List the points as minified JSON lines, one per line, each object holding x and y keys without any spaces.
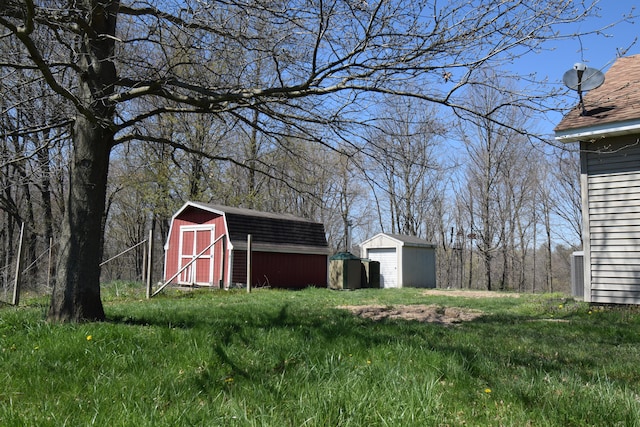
{"x":388,"y":259}
{"x":195,"y":248}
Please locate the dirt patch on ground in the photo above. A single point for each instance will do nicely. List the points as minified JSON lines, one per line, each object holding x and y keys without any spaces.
{"x":470,"y":293}
{"x":429,"y":313}
{"x":421,"y":313}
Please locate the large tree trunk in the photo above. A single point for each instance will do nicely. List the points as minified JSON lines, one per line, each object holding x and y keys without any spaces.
{"x":76,"y":294}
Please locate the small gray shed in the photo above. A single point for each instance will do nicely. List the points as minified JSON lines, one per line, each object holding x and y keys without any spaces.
{"x":405,"y":261}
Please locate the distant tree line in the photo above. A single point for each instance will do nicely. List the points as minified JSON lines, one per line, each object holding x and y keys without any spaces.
{"x":113,"y":113}
{"x":503,"y":209}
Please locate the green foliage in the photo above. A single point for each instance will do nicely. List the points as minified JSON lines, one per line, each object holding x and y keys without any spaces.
{"x":285,"y":358}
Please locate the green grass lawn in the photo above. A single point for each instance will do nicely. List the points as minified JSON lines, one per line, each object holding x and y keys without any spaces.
{"x":292,"y":358}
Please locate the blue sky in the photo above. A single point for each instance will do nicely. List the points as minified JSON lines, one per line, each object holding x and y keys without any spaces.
{"x":597,"y":51}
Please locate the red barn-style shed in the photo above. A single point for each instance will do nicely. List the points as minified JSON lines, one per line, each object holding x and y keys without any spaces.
{"x":287,"y":251}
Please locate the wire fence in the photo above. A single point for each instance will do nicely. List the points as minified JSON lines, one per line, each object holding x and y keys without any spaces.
{"x":35,"y":272}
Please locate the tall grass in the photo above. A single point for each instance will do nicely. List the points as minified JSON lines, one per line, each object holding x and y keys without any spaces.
{"x":280,"y":358}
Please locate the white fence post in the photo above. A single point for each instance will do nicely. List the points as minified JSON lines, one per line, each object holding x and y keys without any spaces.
{"x":16,"y":285}
{"x":49,"y":266}
{"x":149,"y":263}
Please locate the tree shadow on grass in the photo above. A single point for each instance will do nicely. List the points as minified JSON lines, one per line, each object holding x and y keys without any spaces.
{"x":479,"y":348}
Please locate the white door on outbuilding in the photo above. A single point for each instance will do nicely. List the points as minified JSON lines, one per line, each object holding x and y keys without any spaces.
{"x":194,"y":241}
{"x":388,"y":259}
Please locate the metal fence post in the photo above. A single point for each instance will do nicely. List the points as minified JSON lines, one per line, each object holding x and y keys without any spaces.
{"x":249,"y":262}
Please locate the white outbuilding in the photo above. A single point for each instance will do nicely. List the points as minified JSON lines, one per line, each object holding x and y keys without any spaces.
{"x":405,"y":261}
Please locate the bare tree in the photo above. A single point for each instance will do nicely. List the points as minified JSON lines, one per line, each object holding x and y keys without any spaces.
{"x":501,"y":181}
{"x":546,"y":204}
{"x":30,"y":162}
{"x":403,"y":162}
{"x":565,"y":186}
{"x":329,"y":59}
{"x":487,"y":144}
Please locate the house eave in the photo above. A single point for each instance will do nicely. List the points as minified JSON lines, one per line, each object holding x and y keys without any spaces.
{"x":593,"y":133}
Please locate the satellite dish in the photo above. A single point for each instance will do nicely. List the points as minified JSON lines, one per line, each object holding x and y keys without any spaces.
{"x":582,"y":78}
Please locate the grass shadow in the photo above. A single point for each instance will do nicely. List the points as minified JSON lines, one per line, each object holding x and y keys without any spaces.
{"x":504,"y":341}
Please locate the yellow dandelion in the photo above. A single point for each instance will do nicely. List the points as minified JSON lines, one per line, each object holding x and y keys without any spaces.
{"x":368,"y":362}
{"x":487,"y":390}
{"x":89,"y":337}
{"x":560,"y":306}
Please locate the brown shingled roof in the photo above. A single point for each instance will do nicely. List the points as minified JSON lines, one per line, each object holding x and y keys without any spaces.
{"x":616,"y":101}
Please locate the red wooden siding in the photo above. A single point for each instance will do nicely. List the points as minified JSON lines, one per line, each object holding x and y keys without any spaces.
{"x":191,"y":217}
{"x":281,"y":270}
{"x":194,"y":222}
{"x":239,"y":268}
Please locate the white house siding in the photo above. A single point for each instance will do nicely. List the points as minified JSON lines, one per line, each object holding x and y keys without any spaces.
{"x":611,"y":209}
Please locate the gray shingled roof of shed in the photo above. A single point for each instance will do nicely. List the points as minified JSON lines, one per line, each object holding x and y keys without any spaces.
{"x":412,"y":240}
{"x":267,"y":227}
{"x":402,"y":238}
